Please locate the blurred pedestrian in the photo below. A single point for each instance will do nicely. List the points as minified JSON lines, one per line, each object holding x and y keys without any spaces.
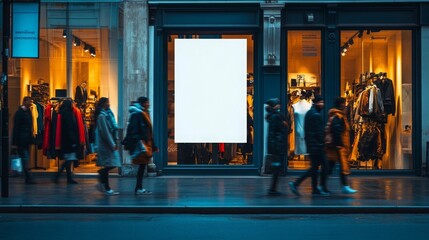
{"x":22,"y":135}
{"x":70,"y":137}
{"x":337,"y":141}
{"x":277,"y":146}
{"x":140,"y":134}
{"x":106,"y":139}
{"x":315,"y":141}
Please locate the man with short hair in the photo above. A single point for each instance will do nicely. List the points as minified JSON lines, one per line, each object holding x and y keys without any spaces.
{"x":22,"y":135}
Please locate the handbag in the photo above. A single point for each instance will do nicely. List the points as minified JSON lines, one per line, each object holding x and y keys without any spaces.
{"x":143,"y":153}
{"x":148,"y":153}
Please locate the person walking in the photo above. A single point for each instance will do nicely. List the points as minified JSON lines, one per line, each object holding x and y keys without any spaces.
{"x":70,"y":136}
{"x":337,"y":140}
{"x":106,"y":140}
{"x":140,"y":135}
{"x":314,"y":139}
{"x":23,"y":137}
{"x":277,"y":146}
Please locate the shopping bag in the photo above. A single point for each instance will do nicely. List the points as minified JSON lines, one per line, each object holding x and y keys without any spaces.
{"x":15,"y":164}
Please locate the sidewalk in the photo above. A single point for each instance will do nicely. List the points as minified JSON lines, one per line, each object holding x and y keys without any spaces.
{"x":217,"y":195}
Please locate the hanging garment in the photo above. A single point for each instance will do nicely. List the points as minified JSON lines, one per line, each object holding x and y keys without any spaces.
{"x":299,"y":110}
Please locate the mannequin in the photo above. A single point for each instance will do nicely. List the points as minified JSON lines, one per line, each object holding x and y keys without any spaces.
{"x":299,"y":110}
{"x":81,"y":95}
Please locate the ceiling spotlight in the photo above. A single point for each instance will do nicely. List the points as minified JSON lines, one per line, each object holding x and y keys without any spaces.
{"x":86,"y":47}
{"x":368,"y":32}
{"x":360,"y":33}
{"x":351,"y":42}
{"x":76,"y":42}
{"x":92,"y":51}
{"x":64,"y":33}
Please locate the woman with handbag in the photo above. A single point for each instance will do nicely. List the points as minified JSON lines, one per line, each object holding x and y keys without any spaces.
{"x":139,"y":132}
{"x":106,"y":139}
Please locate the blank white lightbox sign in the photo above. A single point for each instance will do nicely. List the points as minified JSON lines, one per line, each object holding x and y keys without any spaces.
{"x":210,"y":90}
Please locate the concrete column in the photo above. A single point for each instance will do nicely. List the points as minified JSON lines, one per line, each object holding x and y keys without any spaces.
{"x":135,"y":62}
{"x":424,"y":88}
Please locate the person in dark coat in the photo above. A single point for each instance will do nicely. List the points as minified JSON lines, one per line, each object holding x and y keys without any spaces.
{"x":140,"y":132}
{"x":81,"y":95}
{"x":22,"y":135}
{"x":337,"y":141}
{"x":315,"y":142}
{"x":106,"y":132}
{"x":277,"y":144}
{"x":68,"y":142}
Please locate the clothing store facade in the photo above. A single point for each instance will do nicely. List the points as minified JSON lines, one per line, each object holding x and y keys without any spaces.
{"x":294,"y":50}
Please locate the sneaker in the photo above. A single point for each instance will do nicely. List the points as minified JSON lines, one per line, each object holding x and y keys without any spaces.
{"x":348,"y":190}
{"x":294,"y":188}
{"x":323,"y":190}
{"x":318,"y":192}
{"x":100,"y":187}
{"x":142,"y":192}
{"x":71,"y":181}
{"x":111,"y":192}
{"x":273,"y":192}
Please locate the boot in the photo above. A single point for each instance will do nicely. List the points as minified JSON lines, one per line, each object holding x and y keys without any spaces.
{"x":29,"y":178}
{"x":70,"y":180}
{"x":57,"y":178}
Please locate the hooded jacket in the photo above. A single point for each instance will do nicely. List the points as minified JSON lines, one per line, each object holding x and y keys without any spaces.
{"x":338,"y":138}
{"x":314,"y":131}
{"x":138,"y":127}
{"x":277,"y":132}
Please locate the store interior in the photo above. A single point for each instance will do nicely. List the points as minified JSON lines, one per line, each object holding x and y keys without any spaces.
{"x":373,"y":62}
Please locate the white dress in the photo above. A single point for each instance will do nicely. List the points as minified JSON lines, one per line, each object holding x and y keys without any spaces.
{"x":299,"y":110}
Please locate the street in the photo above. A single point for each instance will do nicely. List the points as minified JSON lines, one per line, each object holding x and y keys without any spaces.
{"x":168,"y":226}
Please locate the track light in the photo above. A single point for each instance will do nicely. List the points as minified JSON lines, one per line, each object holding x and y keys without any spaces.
{"x":76,"y":42}
{"x":64,"y":33}
{"x":86,"y":47}
{"x":92,"y":51}
{"x":360,"y":34}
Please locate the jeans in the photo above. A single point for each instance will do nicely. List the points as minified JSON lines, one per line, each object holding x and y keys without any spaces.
{"x":140,"y":172}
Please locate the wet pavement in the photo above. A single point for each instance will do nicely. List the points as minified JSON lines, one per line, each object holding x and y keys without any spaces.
{"x":218,"y":195}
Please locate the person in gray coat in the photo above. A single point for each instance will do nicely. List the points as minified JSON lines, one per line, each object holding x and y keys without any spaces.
{"x":106,"y":139}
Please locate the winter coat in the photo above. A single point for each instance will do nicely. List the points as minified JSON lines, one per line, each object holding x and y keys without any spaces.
{"x":22,"y":128}
{"x":314,"y":131}
{"x":337,"y":139}
{"x":69,"y":132}
{"x":106,"y":138}
{"x":277,"y":132}
{"x":139,"y":129}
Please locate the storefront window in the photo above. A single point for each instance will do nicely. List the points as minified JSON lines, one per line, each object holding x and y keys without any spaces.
{"x":376,"y":80}
{"x":303,"y":82}
{"x":78,"y":58}
{"x":210,"y":153}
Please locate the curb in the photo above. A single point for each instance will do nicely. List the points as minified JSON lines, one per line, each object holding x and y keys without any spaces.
{"x":52,"y":209}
